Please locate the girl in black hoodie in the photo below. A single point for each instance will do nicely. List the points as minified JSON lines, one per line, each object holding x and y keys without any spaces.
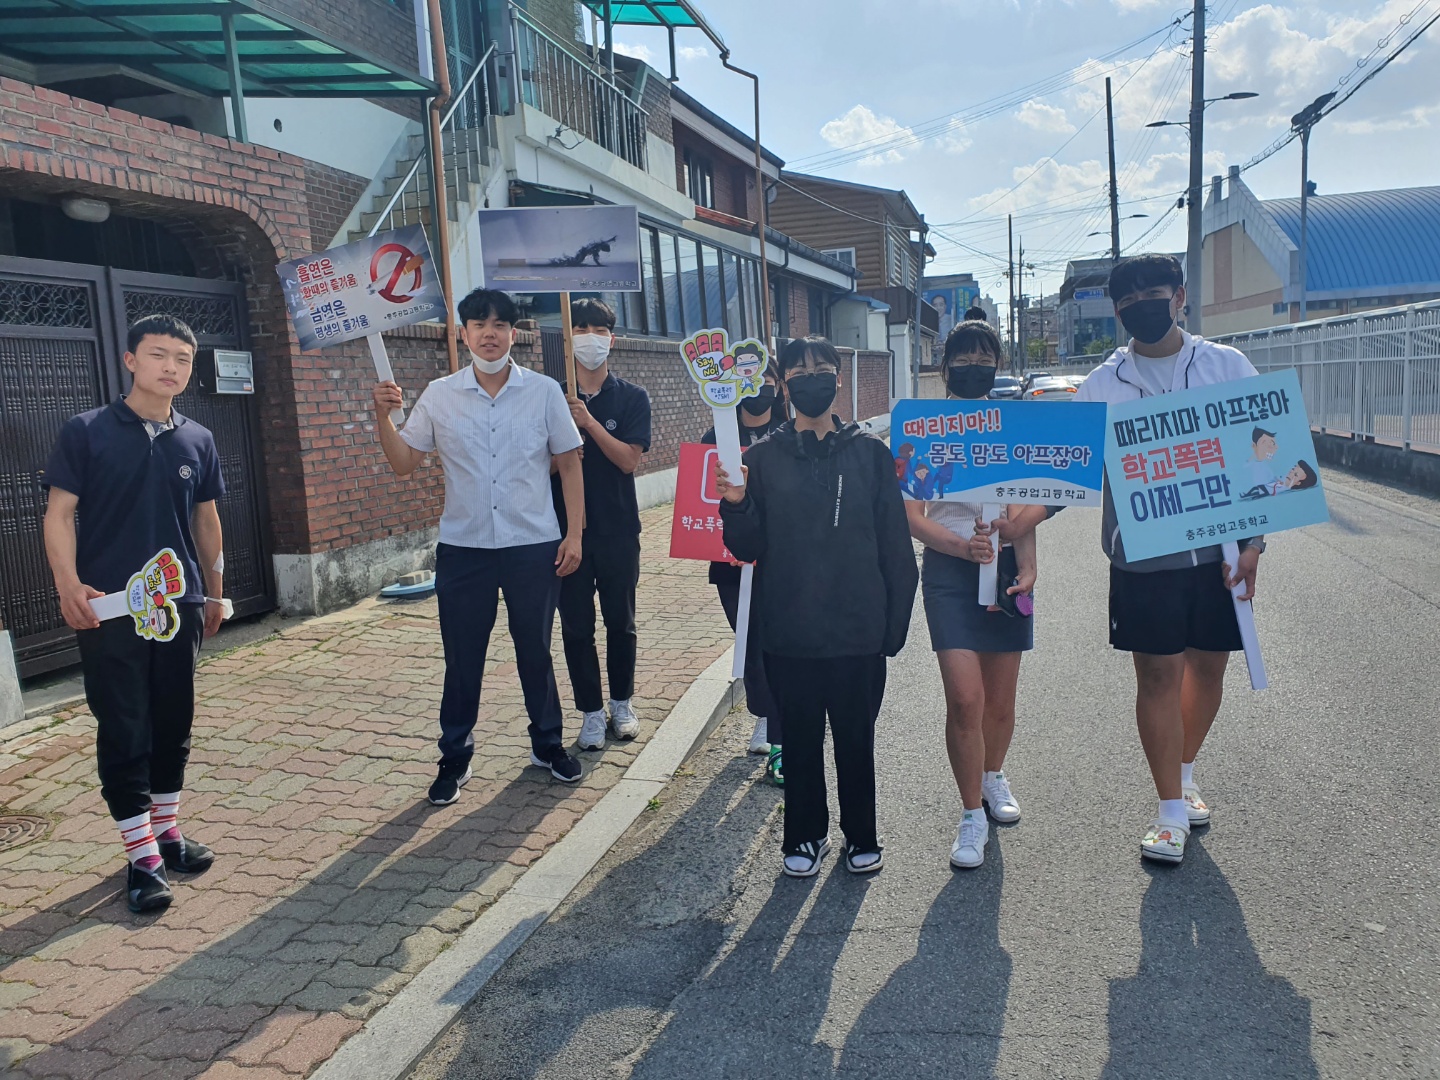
{"x":819,"y":510}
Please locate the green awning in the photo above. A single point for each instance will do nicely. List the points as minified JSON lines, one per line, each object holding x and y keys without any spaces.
{"x":669,"y":14}
{"x":184,"y":43}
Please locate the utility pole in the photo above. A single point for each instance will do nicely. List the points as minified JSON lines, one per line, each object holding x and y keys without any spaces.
{"x":1020,"y":268}
{"x":919,"y":300}
{"x":1010,"y":274}
{"x":1193,"y":297}
{"x":1302,"y":122}
{"x":1114,"y":191}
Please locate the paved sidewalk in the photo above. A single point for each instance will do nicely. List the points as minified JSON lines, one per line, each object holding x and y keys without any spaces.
{"x":334,"y":881}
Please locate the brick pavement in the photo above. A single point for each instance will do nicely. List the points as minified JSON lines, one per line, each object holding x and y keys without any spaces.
{"x":334,"y":882}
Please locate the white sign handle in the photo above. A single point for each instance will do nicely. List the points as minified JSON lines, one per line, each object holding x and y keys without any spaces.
{"x":383,"y":371}
{"x":990,"y":572}
{"x":1245,"y":616}
{"x":742,"y":620}
{"x":727,"y":446}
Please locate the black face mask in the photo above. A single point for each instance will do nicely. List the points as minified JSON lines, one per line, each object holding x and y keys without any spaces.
{"x":1147,"y":321}
{"x":970,"y":380}
{"x":812,"y":394}
{"x":761,"y":403}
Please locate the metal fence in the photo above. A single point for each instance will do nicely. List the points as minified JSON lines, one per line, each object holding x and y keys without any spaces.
{"x":1375,"y":374}
{"x":562,"y":85}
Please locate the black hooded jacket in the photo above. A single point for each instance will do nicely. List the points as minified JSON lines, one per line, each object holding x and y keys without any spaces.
{"x":824,"y":521}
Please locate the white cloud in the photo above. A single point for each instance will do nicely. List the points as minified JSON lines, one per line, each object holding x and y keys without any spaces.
{"x":1042,"y":117}
{"x":642,"y":53}
{"x":860,"y":125}
{"x":692,"y":52}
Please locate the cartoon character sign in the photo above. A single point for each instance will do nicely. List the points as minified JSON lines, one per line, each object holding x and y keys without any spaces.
{"x":151,"y":596}
{"x":725,"y":375}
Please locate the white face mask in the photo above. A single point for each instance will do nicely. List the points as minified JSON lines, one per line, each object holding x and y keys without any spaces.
{"x":591,"y":350}
{"x":490,"y":367}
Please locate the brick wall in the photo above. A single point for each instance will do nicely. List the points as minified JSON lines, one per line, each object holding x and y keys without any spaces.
{"x":330,"y":195}
{"x":240,"y":208}
{"x":734,"y":179}
{"x":874,"y":369}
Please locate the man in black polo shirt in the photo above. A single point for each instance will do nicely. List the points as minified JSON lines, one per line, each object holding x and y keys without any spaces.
{"x":148,"y":553}
{"x":614,"y":418}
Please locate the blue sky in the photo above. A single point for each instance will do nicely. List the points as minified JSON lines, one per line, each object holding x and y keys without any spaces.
{"x":1008,"y":96}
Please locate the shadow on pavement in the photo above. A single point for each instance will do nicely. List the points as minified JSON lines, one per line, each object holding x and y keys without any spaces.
{"x":942,"y":1013}
{"x":593,"y":982}
{"x":341,"y":943}
{"x":1202,"y":1003}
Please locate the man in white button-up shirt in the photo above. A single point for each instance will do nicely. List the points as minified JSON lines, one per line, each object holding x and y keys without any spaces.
{"x":496,"y":427}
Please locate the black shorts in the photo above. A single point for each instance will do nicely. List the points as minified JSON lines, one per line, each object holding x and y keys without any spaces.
{"x":1168,"y":611}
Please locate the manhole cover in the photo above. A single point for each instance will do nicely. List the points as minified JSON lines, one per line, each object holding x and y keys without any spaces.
{"x":17,"y":829}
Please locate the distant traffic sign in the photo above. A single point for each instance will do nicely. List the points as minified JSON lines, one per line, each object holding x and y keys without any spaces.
{"x":1089,"y":294}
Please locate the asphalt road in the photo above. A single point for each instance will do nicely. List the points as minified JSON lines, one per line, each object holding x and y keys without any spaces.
{"x":1298,"y":939}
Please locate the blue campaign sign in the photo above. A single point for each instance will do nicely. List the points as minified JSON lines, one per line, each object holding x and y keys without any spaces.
{"x":1212,"y":464}
{"x":999,"y":451}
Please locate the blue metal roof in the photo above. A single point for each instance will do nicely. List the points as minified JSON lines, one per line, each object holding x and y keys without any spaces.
{"x":1367,"y":243}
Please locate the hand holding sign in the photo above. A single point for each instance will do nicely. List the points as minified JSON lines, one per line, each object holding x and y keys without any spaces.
{"x":731,"y":493}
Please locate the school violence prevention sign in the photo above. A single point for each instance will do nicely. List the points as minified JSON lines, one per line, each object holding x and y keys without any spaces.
{"x":999,"y":451}
{"x":1211,"y":464}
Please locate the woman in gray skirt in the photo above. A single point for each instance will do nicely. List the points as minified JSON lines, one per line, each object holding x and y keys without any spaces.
{"x":978,"y":648}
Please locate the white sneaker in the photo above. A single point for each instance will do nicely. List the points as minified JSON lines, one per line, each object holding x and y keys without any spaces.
{"x":624,"y":720}
{"x":760,"y":740}
{"x":1164,"y":842}
{"x":1195,"y":809}
{"x":592,"y":731}
{"x":995,"y":796}
{"x":969,"y":849}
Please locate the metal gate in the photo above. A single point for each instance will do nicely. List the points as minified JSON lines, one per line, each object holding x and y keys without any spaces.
{"x":62,"y":334}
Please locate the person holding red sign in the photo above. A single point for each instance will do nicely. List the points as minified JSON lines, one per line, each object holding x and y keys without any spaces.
{"x":1174,"y":613}
{"x":816,"y":505}
{"x":978,"y":649}
{"x":143,"y":480}
{"x":758,"y":417}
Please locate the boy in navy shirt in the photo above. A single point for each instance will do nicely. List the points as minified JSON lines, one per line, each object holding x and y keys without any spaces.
{"x":139,"y":580}
{"x":614,"y":419}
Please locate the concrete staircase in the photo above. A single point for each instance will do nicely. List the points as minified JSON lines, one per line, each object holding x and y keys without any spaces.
{"x":468,"y":153}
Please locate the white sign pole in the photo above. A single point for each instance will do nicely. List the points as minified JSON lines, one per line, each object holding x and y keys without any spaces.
{"x":990,"y":572}
{"x":727,"y":446}
{"x":383,"y":371}
{"x":1245,"y":616}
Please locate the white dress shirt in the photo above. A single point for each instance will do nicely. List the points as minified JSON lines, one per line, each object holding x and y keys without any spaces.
{"x":496,"y":455}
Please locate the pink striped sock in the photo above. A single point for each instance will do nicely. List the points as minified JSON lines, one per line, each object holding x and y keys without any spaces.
{"x":140,"y":846}
{"x":164,"y":809}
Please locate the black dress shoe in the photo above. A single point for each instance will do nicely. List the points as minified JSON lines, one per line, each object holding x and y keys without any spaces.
{"x":147,"y":890}
{"x":185,"y":856}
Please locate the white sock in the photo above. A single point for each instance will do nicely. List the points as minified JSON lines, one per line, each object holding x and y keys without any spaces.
{"x":1172,"y":812}
{"x":164,"y":809}
{"x":980,"y":813}
{"x":1187,"y":774}
{"x":139,"y":839}
{"x":991,"y":777}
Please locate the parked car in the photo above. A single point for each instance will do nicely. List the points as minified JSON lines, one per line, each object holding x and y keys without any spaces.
{"x":1007,"y":388}
{"x":1075,"y":380}
{"x":1049,"y":388}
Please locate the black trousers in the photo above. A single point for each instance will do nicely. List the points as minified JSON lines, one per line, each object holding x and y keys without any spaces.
{"x":758,"y":698}
{"x":848,"y":690}
{"x":468,"y":586}
{"x":142,"y":694}
{"x":609,"y":566}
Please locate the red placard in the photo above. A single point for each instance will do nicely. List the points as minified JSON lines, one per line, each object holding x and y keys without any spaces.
{"x":695,"y":530}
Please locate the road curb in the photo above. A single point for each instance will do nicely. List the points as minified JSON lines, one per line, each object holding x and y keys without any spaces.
{"x":400,"y":1033}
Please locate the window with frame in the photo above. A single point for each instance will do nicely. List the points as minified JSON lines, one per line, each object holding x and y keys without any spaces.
{"x":700,"y":179}
{"x":845,"y":255}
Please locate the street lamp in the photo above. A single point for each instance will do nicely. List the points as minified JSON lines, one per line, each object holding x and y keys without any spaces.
{"x":1302,"y":122}
{"x":1104,"y":232}
{"x":1194,"y":128}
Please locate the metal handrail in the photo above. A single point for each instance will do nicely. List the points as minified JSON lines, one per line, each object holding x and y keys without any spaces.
{"x":445,"y":124}
{"x":551,"y":78}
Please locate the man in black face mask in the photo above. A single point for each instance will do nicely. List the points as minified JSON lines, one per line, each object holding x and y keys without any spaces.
{"x":819,"y":512}
{"x":1174,"y":612}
